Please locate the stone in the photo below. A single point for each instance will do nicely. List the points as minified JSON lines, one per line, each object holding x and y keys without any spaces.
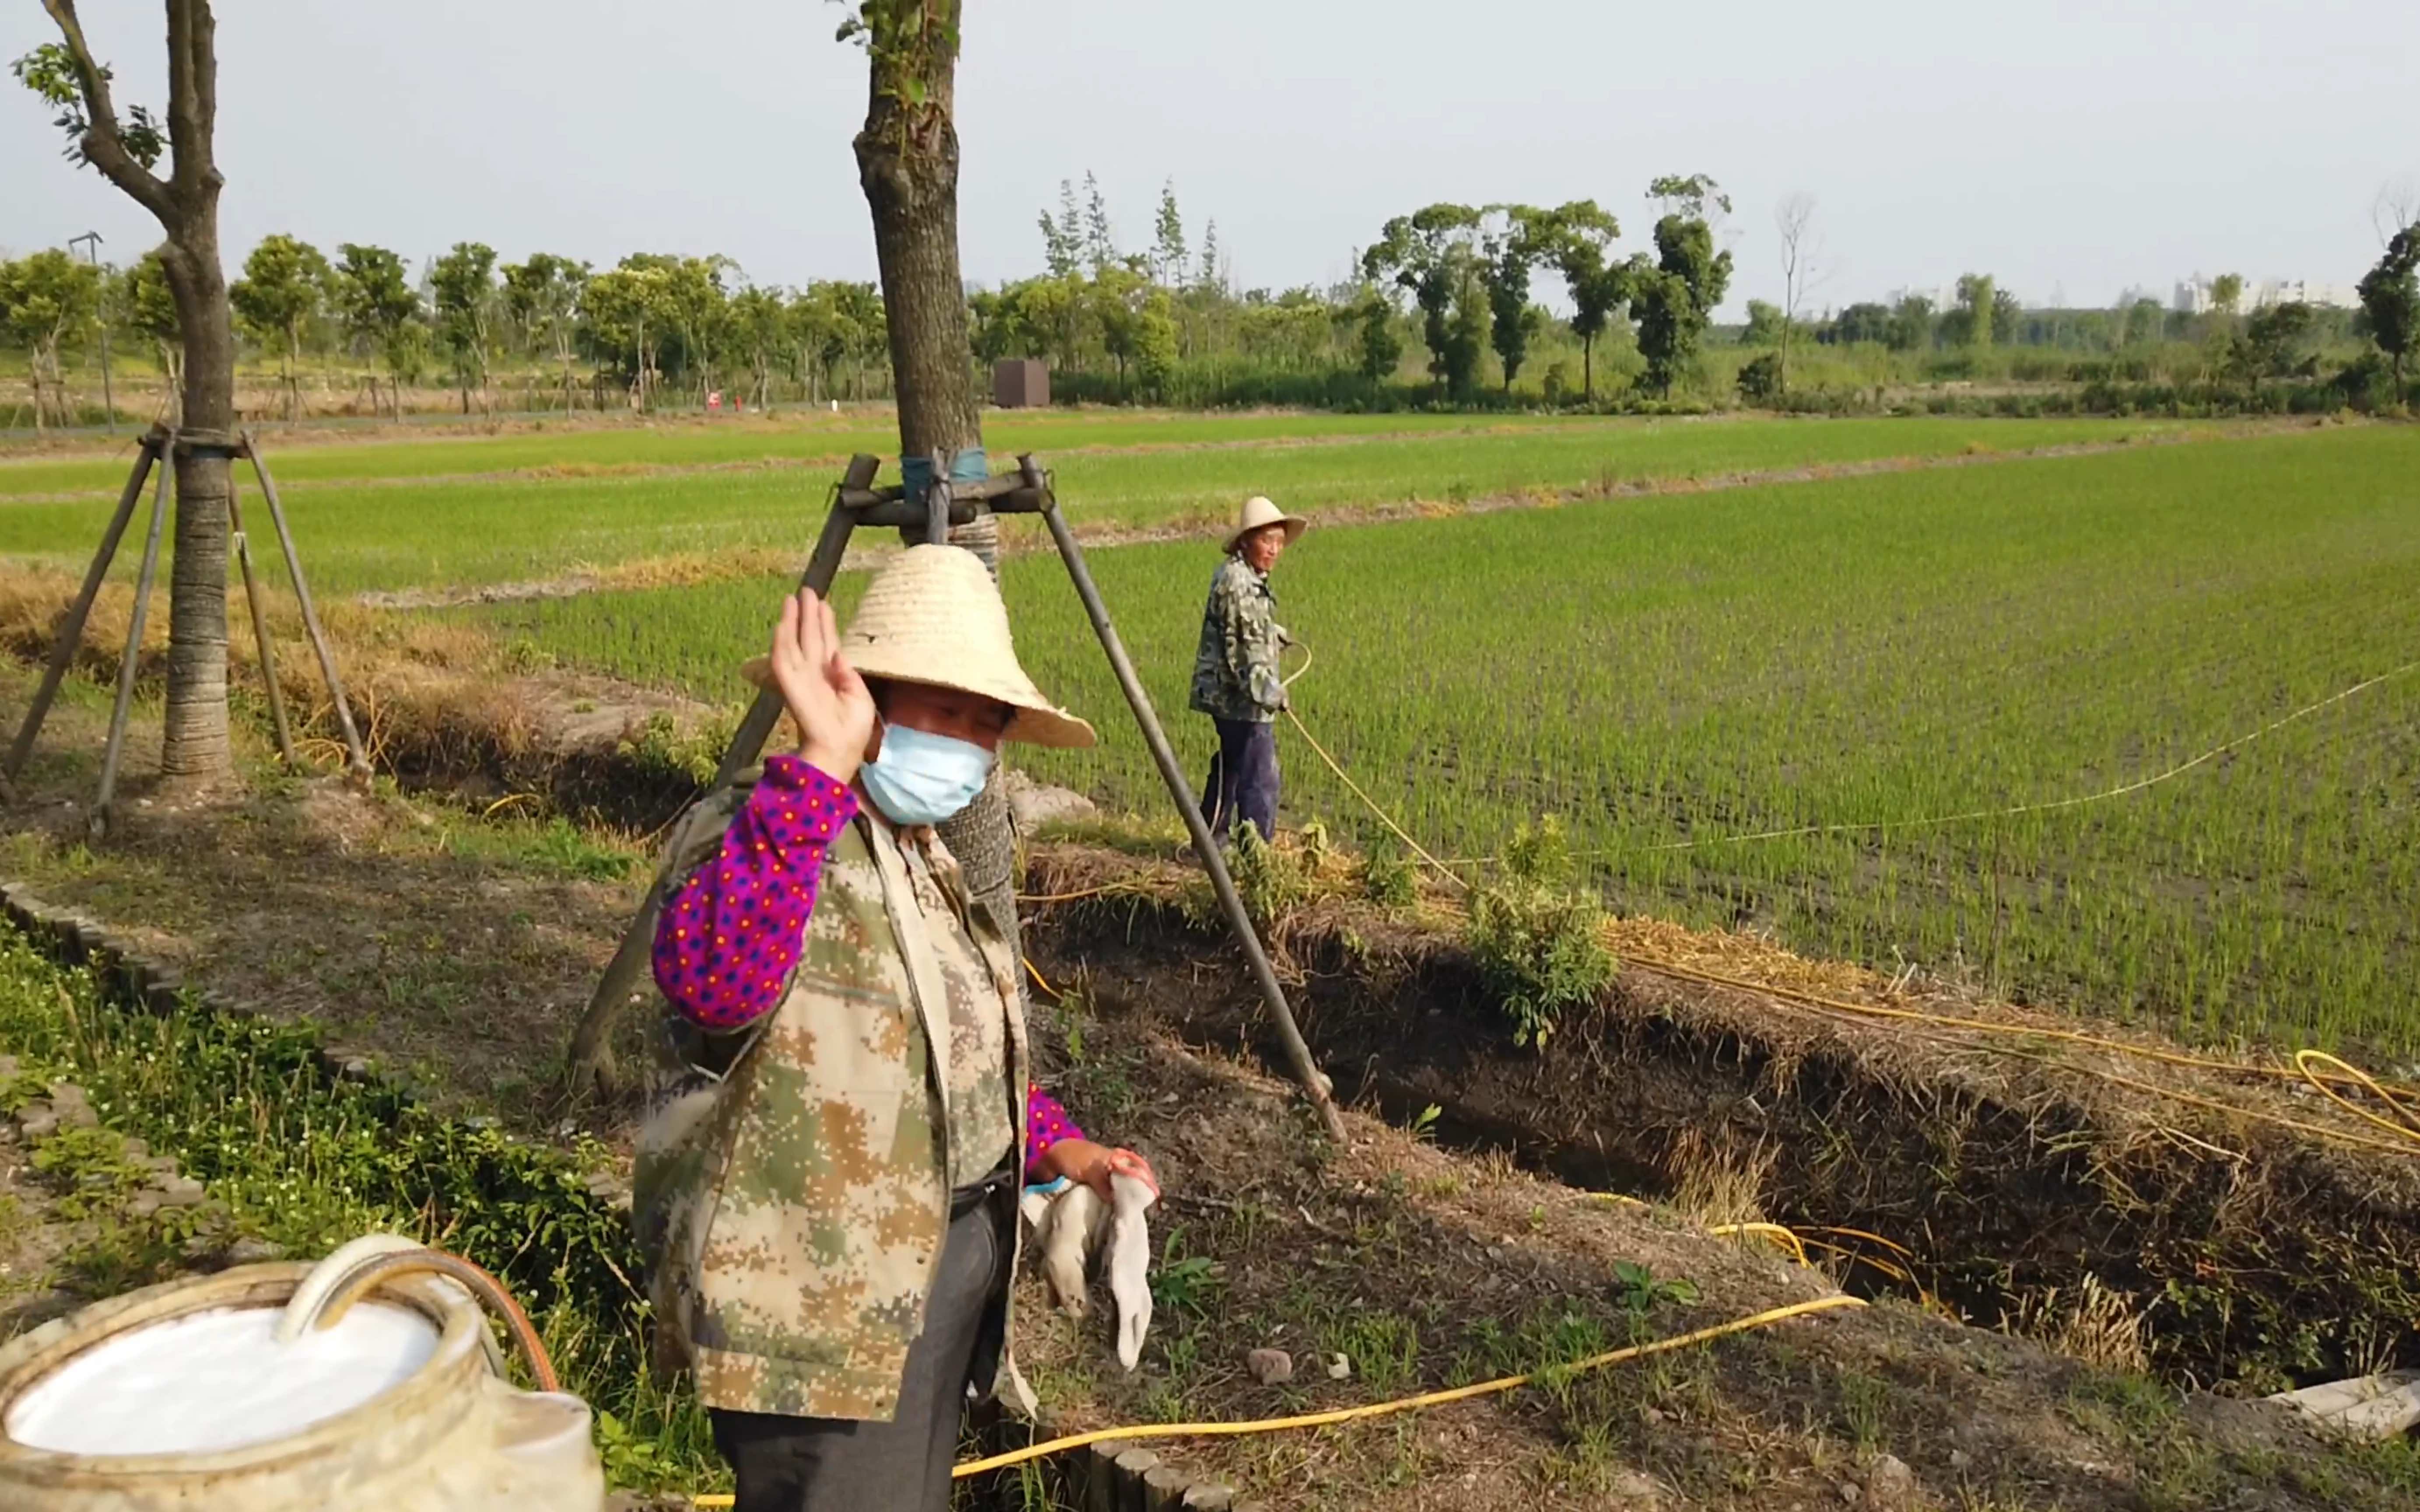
{"x":8,"y":1066}
{"x":1032,"y":805}
{"x":36,"y":1120}
{"x":251,"y":1251}
{"x":144,"y":1204}
{"x":1339,"y":1368}
{"x":1890,"y":1483}
{"x":1961,"y":1461}
{"x":1850,"y":1493}
{"x":1205,"y":1496}
{"x":1270,"y":1367}
{"x":181,"y":1192}
{"x":1635,"y":1488}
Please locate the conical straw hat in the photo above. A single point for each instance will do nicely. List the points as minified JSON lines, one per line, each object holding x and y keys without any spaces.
{"x":1257,"y":511}
{"x":934,"y":616}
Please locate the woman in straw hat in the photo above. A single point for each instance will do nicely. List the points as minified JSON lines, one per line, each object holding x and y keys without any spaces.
{"x":828,"y":1166}
{"x":1235,"y":671}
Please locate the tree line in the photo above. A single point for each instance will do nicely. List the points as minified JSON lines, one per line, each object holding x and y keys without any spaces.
{"x":1440,"y":303}
{"x":651,"y":322}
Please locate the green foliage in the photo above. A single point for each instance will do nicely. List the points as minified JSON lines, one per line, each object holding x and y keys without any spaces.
{"x":1639,"y":1291}
{"x":2390,"y":299}
{"x":50,"y":72}
{"x":1433,"y":254}
{"x":1388,"y":877}
{"x":1760,"y":380}
{"x":1381,"y":348}
{"x":1673,"y":296}
{"x":462,"y":296}
{"x":1537,"y":935}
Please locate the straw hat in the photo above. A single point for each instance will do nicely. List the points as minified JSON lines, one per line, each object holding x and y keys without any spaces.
{"x":934,"y":616}
{"x":1258,"y":512}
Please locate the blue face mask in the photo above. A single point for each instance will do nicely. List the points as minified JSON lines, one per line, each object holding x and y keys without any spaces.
{"x":922,"y":777}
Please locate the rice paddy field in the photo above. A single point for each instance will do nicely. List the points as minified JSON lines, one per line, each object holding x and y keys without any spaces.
{"x":1907,"y":653}
{"x":450,"y":514}
{"x":1889,"y":656}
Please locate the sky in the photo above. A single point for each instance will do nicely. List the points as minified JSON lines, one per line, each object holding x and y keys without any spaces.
{"x":2073,"y":151}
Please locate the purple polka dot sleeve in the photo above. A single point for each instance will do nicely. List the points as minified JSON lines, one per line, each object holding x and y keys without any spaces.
{"x":1045,"y":1125}
{"x":729,"y":936}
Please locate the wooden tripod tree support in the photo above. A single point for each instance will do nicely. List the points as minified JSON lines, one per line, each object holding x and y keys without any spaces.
{"x":157,"y":449}
{"x":1025,"y":491}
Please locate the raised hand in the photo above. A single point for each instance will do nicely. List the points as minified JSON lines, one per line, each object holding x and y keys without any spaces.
{"x":831,"y":703}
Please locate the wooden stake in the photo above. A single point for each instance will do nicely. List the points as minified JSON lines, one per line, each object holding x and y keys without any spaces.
{"x":589,"y":1061}
{"x":70,"y":634}
{"x":358,"y":763}
{"x":260,"y":632}
{"x":118,"y":718}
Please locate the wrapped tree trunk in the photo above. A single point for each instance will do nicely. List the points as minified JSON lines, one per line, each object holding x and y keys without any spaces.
{"x":907,"y":165}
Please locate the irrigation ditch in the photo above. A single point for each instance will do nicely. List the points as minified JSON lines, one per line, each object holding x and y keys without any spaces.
{"x":2223,"y":1259}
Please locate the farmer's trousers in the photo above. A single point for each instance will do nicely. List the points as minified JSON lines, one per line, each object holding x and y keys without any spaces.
{"x":1243,"y":779}
{"x":819,"y":1464}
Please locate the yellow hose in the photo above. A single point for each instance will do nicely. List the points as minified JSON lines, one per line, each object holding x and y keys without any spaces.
{"x":1141,"y":1432}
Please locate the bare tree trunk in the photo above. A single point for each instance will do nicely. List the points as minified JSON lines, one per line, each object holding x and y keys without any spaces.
{"x":907,"y":165}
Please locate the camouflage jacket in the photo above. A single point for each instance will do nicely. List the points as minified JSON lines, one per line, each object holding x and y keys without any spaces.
{"x":791,"y":1189}
{"x":1236,"y":668}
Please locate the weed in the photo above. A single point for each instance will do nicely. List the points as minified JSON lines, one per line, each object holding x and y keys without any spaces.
{"x":1861,"y":1400}
{"x":1388,"y":877}
{"x":1537,"y":939}
{"x":1639,"y":1291}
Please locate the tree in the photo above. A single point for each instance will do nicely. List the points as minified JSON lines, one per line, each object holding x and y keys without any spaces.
{"x":2226,"y":295}
{"x":1674,"y":296}
{"x":1100,"y":238}
{"x":1862,"y":322}
{"x":1431,"y":254}
{"x":1794,"y":219}
{"x":125,"y":151}
{"x":45,"y":299}
{"x":1169,"y":251}
{"x":462,"y":287}
{"x":2272,"y":342}
{"x":1910,"y":323}
{"x":1512,"y":246}
{"x":283,"y":289}
{"x":1583,"y":233}
{"x":1764,"y":327}
{"x":378,"y":307}
{"x":1381,"y":349}
{"x":760,"y":319}
{"x":907,"y":165}
{"x":1213,"y":277}
{"x":542,"y":297}
{"x":626,"y":312}
{"x":1975,"y":297}
{"x":148,"y":307}
{"x":1063,"y":240}
{"x":2008,"y":317}
{"x":1155,"y":343}
{"x":2390,"y":297}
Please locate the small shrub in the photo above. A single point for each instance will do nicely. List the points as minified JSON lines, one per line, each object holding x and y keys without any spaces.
{"x":1537,"y":937}
{"x":1387,"y":878}
{"x":1760,"y":380}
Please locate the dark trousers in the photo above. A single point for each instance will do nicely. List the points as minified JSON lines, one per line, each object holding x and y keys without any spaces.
{"x":1243,"y":779}
{"x":817,"y":1464}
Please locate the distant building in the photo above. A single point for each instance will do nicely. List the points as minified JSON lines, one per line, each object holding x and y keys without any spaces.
{"x":2193,"y":296}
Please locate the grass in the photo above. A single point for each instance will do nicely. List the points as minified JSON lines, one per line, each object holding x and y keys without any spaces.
{"x":1667,"y":671}
{"x":308,"y":1162}
{"x":356,"y":536}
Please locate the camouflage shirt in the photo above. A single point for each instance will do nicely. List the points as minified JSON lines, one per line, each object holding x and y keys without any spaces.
{"x":793,"y":1177}
{"x":1235,"y":667}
